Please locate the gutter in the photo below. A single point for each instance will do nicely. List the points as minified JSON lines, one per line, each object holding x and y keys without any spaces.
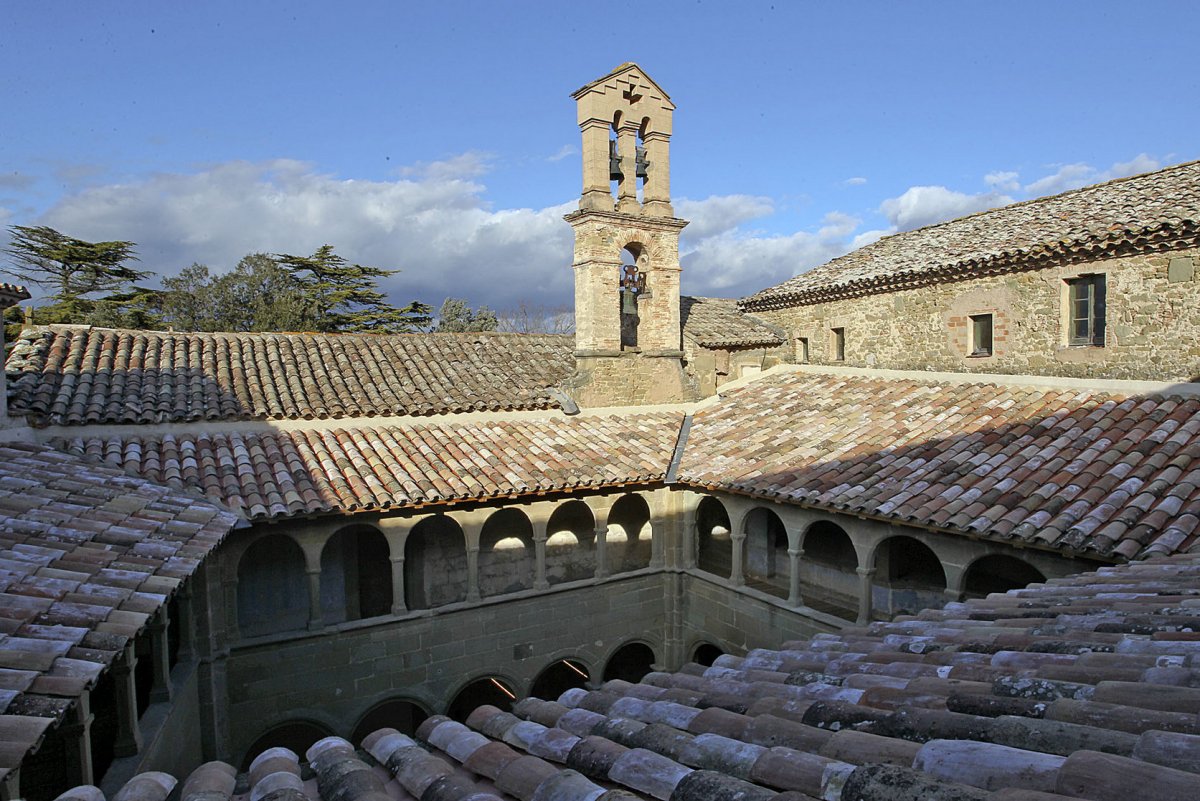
{"x":677,"y":456}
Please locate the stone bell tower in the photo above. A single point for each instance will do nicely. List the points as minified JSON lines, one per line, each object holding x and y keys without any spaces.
{"x":627,"y":332}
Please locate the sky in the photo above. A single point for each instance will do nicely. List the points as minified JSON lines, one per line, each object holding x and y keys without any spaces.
{"x":439,"y":138}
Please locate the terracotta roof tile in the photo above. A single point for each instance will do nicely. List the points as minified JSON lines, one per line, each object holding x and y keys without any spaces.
{"x":1084,"y":471}
{"x":1154,"y":211}
{"x":12,"y":293}
{"x":717,"y":323}
{"x":71,"y":375}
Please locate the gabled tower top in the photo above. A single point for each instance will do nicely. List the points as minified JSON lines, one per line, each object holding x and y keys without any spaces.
{"x":625,"y":118}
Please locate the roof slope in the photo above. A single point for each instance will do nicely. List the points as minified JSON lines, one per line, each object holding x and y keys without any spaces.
{"x":274,"y":474}
{"x":1084,"y":688}
{"x":718,"y":323}
{"x":71,"y":375}
{"x":1078,"y":471}
{"x":87,"y":555}
{"x":1154,"y":211}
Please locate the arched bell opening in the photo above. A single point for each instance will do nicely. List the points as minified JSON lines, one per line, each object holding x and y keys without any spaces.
{"x":634,"y":289}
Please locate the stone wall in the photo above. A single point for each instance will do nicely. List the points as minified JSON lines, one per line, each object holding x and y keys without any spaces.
{"x":631,"y":379}
{"x":738,"y":621}
{"x":1152,"y":323}
{"x":709,"y":368}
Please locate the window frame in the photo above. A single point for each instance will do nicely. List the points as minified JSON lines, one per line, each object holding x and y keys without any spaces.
{"x":802,"y":352}
{"x":1087,"y":307}
{"x":837,"y":343}
{"x":978,"y":349}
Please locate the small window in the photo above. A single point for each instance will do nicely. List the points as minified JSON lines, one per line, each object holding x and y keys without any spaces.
{"x":802,"y":349}
{"x":1085,"y":310}
{"x":837,"y":344}
{"x":981,"y":335}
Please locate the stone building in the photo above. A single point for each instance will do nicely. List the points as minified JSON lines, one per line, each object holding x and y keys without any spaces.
{"x":726,"y":570}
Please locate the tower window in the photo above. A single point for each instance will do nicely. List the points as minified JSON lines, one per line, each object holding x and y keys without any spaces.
{"x":1085,"y":310}
{"x":837,"y":344}
{"x":802,"y":349}
{"x":981,"y":335}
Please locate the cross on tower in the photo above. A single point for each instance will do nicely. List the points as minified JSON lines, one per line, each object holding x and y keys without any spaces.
{"x":631,"y":95}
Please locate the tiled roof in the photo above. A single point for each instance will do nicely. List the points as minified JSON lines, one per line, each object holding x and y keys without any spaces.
{"x":717,"y":323}
{"x":87,"y":555}
{"x":273,"y":474}
{"x":1154,"y":211}
{"x":1078,"y":471}
{"x":11,"y":293}
{"x":1084,"y":688}
{"x":64,"y":375}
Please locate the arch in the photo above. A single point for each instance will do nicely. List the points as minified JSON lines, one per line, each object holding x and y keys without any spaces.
{"x":828,"y":570}
{"x":705,"y":653}
{"x":631,"y":662}
{"x":296,"y":735}
{"x":435,"y":564}
{"x":493,"y":690}
{"x":910,"y":574}
{"x":272,"y":587}
{"x":570,"y":543}
{"x":714,"y":543}
{"x":766,"y":556}
{"x":507,"y":558}
{"x":402,"y":714}
{"x":356,"y":575}
{"x":558,"y":677}
{"x":998,"y":573}
{"x":628,"y":538}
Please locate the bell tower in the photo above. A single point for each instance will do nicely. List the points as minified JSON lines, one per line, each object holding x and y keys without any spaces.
{"x":627,"y":331}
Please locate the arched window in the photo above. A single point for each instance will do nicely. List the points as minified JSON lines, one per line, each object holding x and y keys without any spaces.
{"x":911,"y":573}
{"x":631,"y":662}
{"x":558,"y":677}
{"x":766,"y":565}
{"x":713,"y":540}
{"x":435,"y":564}
{"x":488,"y":690}
{"x":396,"y":713}
{"x":272,"y":589}
{"x":570,"y":543}
{"x":633,"y":288}
{"x":628,"y":539}
{"x":356,"y":575}
{"x":828,"y":578}
{"x":999,"y":573}
{"x":506,"y":553}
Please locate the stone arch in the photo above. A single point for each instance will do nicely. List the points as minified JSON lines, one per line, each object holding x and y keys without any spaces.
{"x":507,"y":558}
{"x":766,"y":552}
{"x":828,"y":569}
{"x":909,"y":574}
{"x":998,"y":573}
{"x":356,"y":575}
{"x":491,"y":689}
{"x":435,"y":563}
{"x":630,"y":662}
{"x":558,"y":677}
{"x":402,"y":714}
{"x":705,"y":653}
{"x":272,"y":587}
{"x":714,"y":541}
{"x":628,"y":539}
{"x":570,"y":543}
{"x":297,"y":735}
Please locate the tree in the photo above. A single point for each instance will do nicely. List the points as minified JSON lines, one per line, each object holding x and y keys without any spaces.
{"x":456,"y":316}
{"x":70,"y":269}
{"x":345,"y":297}
{"x":257,"y":295}
{"x":532,"y":318}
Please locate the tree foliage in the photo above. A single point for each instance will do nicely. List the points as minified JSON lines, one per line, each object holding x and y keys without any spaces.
{"x":534,"y":318}
{"x":457,"y":316}
{"x":257,"y":295}
{"x":70,"y":269}
{"x":345,"y":297}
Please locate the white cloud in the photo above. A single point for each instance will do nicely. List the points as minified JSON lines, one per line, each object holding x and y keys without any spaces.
{"x":563,"y":152}
{"x":1002,"y":181}
{"x":926,"y":205}
{"x":471,"y":164}
{"x":857,"y":180}
{"x":719,"y":213}
{"x":1074,"y":176}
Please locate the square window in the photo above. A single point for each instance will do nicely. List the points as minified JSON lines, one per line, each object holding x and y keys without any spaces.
{"x":981,"y":335}
{"x":1085,"y":310}
{"x":837,"y":344}
{"x":802,"y":349}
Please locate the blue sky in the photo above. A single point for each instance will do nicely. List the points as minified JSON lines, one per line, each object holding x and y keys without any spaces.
{"x":440,"y":138}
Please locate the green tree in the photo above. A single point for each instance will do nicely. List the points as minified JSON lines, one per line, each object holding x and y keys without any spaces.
{"x":456,"y":316}
{"x":257,"y":295}
{"x":345,"y":296}
{"x":70,"y":269}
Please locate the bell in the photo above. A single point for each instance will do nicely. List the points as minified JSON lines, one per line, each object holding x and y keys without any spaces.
{"x":642,"y":164}
{"x":628,"y":302}
{"x":614,"y":162}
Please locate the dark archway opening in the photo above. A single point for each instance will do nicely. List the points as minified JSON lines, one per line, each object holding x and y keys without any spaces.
{"x":828,"y":577}
{"x":911,"y":574}
{"x":999,"y":573}
{"x":356,"y":575}
{"x":706,"y":653}
{"x":714,"y":544}
{"x":507,"y":558}
{"x":272,"y":590}
{"x":488,"y":690}
{"x":295,"y":735}
{"x":557,"y":678}
{"x":766,"y":565}
{"x":631,"y":662}
{"x":627,"y":544}
{"x":435,"y":564}
{"x":403,"y":716}
{"x":570,"y":543}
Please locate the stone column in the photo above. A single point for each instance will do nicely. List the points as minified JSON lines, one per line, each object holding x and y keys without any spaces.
{"x":184,"y":624}
{"x":658,"y":532}
{"x":865,"y":575}
{"x":316,"y":620}
{"x":160,"y":653}
{"x":737,"y":541}
{"x":129,"y":734}
{"x":627,"y":201}
{"x":597,"y":194}
{"x":688,"y":538}
{"x":656,"y":194}
{"x":398,"y":605}
{"x":395,"y":530}
{"x":539,"y":547}
{"x":473,"y":573}
{"x":77,"y":742}
{"x":601,"y":551}
{"x":794,"y":555}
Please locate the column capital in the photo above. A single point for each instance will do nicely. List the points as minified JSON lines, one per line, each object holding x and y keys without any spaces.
{"x":865,"y":571}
